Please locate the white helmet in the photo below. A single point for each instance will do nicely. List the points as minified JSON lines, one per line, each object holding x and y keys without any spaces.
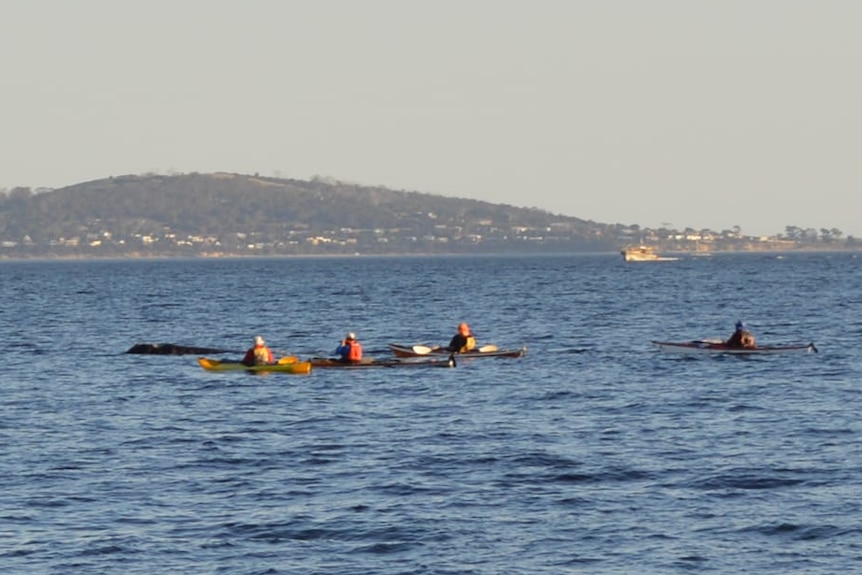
{"x":259,"y":340}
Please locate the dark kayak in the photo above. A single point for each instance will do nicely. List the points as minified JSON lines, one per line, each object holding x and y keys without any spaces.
{"x":707,"y":347}
{"x":426,"y":351}
{"x":326,"y":362}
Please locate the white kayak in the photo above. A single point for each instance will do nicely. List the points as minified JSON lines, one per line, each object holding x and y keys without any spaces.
{"x":700,"y":346}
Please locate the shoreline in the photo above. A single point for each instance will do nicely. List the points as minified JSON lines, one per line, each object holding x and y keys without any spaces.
{"x":228,"y":256}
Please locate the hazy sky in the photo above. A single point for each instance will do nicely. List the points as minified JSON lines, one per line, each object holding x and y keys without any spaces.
{"x":708,"y":114}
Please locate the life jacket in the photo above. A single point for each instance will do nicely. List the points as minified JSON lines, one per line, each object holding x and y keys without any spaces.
{"x":354,"y":351}
{"x":470,"y":345}
{"x":261,"y":355}
{"x":462,"y":343}
{"x":741,"y":339}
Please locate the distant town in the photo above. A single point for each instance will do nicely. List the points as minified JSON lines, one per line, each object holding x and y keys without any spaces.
{"x":234,"y":215}
{"x":484,"y":238}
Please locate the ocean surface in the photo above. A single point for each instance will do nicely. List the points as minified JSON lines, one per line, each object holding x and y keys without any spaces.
{"x":596,"y":453}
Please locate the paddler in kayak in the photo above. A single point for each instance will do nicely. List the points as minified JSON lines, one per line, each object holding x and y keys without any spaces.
{"x":463,"y":340}
{"x":741,"y":338}
{"x":350,"y":350}
{"x":259,"y":354}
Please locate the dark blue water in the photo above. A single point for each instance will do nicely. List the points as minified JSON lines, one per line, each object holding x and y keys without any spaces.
{"x":593,"y":454}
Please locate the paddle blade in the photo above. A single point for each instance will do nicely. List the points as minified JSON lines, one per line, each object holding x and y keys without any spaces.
{"x":287,"y":359}
{"x":422,"y":349}
{"x":487,"y":348}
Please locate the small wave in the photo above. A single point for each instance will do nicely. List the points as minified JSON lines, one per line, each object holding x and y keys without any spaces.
{"x":573,"y":478}
{"x":746,"y":481}
{"x":801,"y":532}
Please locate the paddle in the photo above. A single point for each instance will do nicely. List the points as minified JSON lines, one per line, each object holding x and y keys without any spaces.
{"x":424,"y":349}
{"x":243,"y":352}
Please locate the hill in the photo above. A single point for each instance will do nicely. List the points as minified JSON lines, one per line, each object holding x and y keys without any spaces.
{"x":235,"y":214}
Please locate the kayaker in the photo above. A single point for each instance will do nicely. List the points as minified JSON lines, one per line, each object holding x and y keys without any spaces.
{"x":259,"y":354}
{"x":463,"y":340}
{"x":741,"y":338}
{"x":350,"y":350}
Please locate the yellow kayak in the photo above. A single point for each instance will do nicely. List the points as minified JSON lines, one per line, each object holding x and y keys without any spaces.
{"x":288,"y":364}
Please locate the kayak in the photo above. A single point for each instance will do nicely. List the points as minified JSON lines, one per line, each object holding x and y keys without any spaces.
{"x":708,"y":347}
{"x":484,"y":351}
{"x":283,"y":365}
{"x":326,"y":362}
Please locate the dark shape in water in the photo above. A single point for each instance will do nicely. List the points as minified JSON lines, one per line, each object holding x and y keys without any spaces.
{"x":173,"y":349}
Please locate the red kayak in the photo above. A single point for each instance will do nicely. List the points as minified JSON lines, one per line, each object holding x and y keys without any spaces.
{"x":719,"y":347}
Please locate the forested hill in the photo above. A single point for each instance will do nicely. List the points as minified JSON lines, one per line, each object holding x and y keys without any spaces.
{"x":234,"y":214}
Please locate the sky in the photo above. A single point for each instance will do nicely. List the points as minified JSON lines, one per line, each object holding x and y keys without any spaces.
{"x":660,"y":113}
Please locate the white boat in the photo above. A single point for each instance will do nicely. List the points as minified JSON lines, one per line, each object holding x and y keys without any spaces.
{"x":643,"y":253}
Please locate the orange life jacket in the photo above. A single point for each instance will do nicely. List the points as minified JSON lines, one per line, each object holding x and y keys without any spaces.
{"x":355,"y":353}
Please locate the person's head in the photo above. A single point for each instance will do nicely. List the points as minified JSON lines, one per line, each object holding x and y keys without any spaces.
{"x":740,"y":325}
{"x":350,"y":337}
{"x":258,"y":341}
{"x":463,"y":328}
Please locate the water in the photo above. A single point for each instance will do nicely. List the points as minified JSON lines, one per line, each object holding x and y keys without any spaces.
{"x":593,"y":454}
